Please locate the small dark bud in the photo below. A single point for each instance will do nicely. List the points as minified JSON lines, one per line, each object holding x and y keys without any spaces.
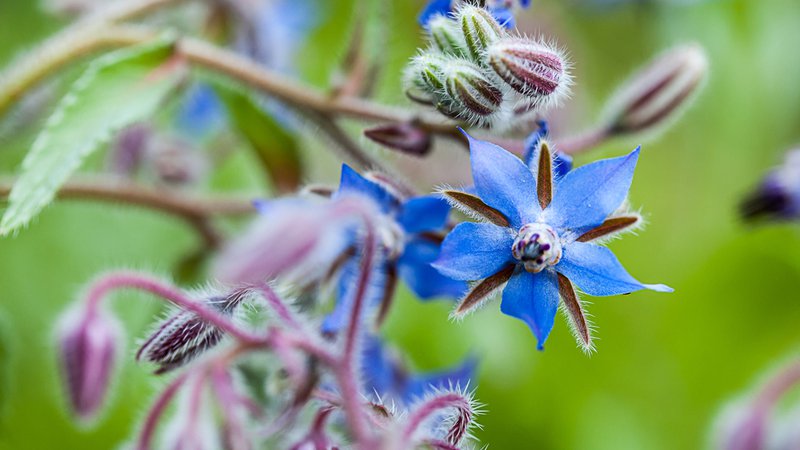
{"x":778,"y":196}
{"x":405,"y":137}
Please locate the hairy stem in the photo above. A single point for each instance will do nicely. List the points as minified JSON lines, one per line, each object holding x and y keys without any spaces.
{"x":436,"y":404}
{"x":100,"y":289}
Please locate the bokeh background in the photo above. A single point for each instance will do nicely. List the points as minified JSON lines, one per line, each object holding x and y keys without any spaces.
{"x":665,"y":364}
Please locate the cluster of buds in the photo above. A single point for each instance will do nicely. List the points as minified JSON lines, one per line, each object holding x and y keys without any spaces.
{"x":476,"y":71}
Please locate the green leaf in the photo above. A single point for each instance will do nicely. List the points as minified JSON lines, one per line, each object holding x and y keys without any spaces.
{"x":276,"y":148}
{"x":117,"y":89}
{"x":5,"y":365}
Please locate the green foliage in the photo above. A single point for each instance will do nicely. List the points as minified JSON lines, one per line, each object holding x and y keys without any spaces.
{"x":117,"y":89}
{"x":275,"y":147}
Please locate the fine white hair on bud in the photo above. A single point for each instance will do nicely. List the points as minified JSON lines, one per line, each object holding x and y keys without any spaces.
{"x":658,"y":92}
{"x":479,"y":29}
{"x":469,"y":94}
{"x":536,"y":71}
{"x":446,"y":37}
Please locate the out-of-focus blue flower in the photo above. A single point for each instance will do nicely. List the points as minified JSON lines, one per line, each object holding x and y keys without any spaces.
{"x":502,"y":10}
{"x":200,"y":112}
{"x":385,"y":375}
{"x":271,"y":32}
{"x":408,"y":228}
{"x":778,"y":196}
{"x":539,"y":242}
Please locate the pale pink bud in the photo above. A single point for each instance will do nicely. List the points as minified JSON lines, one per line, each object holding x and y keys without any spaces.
{"x":658,"y":91}
{"x":87,"y":339}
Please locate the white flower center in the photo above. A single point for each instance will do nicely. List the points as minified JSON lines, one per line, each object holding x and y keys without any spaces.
{"x":537,"y":246}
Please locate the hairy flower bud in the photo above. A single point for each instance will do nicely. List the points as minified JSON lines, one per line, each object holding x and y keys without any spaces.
{"x":654,"y":94}
{"x":446,"y":37}
{"x":480,"y":30}
{"x":403,"y":136}
{"x":424,"y":78}
{"x":534,"y":70}
{"x":470,"y":94}
{"x":88,"y":339}
{"x":183,"y":336}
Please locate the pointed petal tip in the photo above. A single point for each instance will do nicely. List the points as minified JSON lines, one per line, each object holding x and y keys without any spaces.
{"x":659,"y":288}
{"x":540,"y":346}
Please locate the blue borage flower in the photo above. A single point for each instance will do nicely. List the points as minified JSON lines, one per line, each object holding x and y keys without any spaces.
{"x":537,"y":236}
{"x":409,"y":228}
{"x":500,"y":9}
{"x":385,"y":375}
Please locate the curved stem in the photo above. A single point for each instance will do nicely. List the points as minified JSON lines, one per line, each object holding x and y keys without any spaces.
{"x":194,"y":210}
{"x":582,"y":142}
{"x":132,"y":280}
{"x":157,"y":410}
{"x":436,"y":404}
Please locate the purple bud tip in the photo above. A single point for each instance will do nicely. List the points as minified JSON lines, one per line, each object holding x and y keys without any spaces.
{"x":88,"y":345}
{"x":405,"y":137}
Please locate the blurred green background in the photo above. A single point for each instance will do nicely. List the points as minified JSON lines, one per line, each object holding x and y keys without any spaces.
{"x":665,"y":363}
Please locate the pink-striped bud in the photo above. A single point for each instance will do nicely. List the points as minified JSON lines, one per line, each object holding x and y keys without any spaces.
{"x":657,"y":92}
{"x":470,"y":94}
{"x":537,"y":72}
{"x":87,"y":340}
{"x":184,"y":336}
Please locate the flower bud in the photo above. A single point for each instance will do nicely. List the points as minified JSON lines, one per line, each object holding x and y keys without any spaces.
{"x":88,"y":340}
{"x":403,"y":136}
{"x":424,"y":78}
{"x":446,"y":36}
{"x":470,"y":94}
{"x":534,"y":70}
{"x":778,"y":196}
{"x":480,"y":30}
{"x":658,"y":91}
{"x":183,"y":336}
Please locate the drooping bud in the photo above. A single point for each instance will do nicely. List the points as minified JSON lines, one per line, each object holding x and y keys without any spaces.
{"x":446,"y":37}
{"x":88,"y":340}
{"x":480,"y":30}
{"x":538,"y":72}
{"x":657,"y":92}
{"x":183,"y":336}
{"x":471,"y":95}
{"x":403,"y":136}
{"x":778,"y":196}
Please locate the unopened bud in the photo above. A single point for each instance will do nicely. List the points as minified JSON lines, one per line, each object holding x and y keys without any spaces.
{"x":403,"y":136}
{"x":471,"y":95}
{"x":778,"y":196}
{"x":446,"y":36}
{"x":480,"y":30}
{"x":424,"y":78}
{"x":88,"y":340}
{"x":654,"y":94}
{"x":184,"y":336}
{"x":538,"y":72}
